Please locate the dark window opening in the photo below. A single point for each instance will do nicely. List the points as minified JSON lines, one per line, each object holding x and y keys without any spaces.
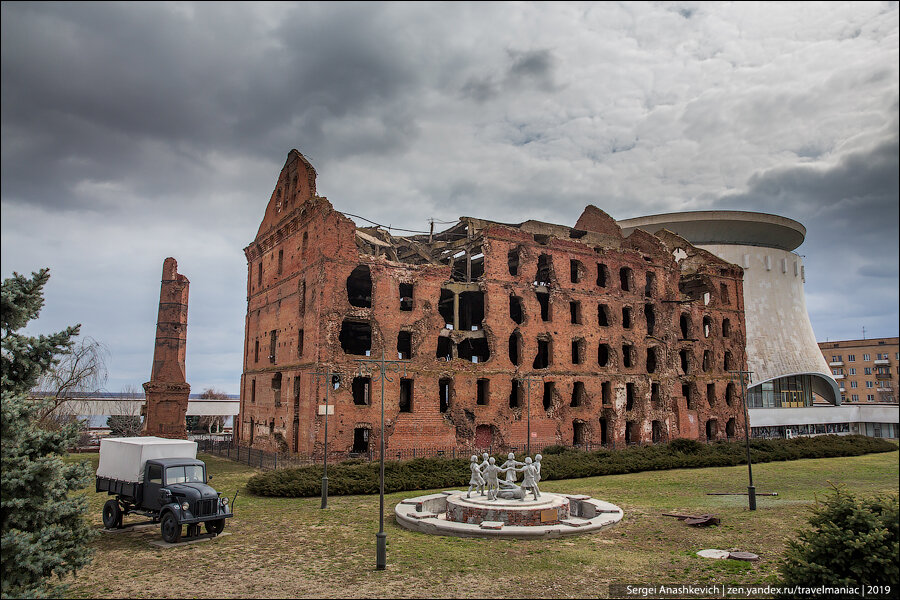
{"x":631,"y":433}
{"x":404,"y":345}
{"x":707,"y":326}
{"x":515,"y":348}
{"x":544,"y":300}
{"x":603,"y":315}
{"x":684,"y":322}
{"x":729,"y":428}
{"x":606,"y":393}
{"x":578,"y":394}
{"x":711,"y":394}
{"x":280,"y":261}
{"x":575,"y":270}
{"x":683,"y":357}
{"x":356,"y":337}
{"x":603,"y":355}
{"x":256,"y":351}
{"x":629,"y":396}
{"x":300,"y":342}
{"x":542,"y":359}
{"x":252,"y":391}
{"x":474,"y":350}
{"x":361,"y":440}
{"x":296,"y":397}
{"x":686,"y":392}
{"x":712,"y":429}
{"x":604,"y":431}
{"x":445,"y":386}
{"x":476,"y":266}
{"x":544,"y":270}
{"x":445,"y":307}
{"x":549,"y":387}
{"x":728,"y":362}
{"x":657,"y":432}
{"x":625,"y":278}
{"x":276,"y":388}
{"x":627,"y":356}
{"x":650,"y":317}
{"x":406,"y":395}
{"x":359,"y":287}
{"x":515,"y":394}
{"x":577,"y":234}
{"x":706,"y":359}
{"x":577,"y":351}
{"x":301,"y":298}
{"x":273,"y":344}
{"x":626,"y":317}
{"x":515,"y":309}
{"x":444,"y":349}
{"x":471,"y":310}
{"x":575,"y":312}
{"x":362,"y":388}
{"x":541,"y":238}
{"x":651,"y":360}
{"x":654,"y":395}
{"x":259,"y":273}
{"x":406,"y":296}
{"x":726,"y":328}
{"x":512,"y":262}
{"x":729,"y":394}
{"x":577,"y":433}
{"x":650,"y":285}
{"x":602,"y":275}
{"x":483,"y":391}
{"x":723,"y":294}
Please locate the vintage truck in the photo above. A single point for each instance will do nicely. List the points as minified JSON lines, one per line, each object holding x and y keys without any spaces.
{"x":161,"y":479}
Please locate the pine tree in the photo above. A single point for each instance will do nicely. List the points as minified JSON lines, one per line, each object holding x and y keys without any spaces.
{"x":44,"y":532}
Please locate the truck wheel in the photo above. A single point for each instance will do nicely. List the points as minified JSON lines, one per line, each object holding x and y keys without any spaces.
{"x":112,"y":515}
{"x":215,"y":527}
{"x":171,"y":529}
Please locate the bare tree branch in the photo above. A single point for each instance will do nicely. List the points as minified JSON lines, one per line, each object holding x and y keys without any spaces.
{"x":80,"y":371}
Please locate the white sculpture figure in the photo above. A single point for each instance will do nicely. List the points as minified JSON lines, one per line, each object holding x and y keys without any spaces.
{"x":537,"y":468}
{"x":528,"y":478}
{"x":483,"y":466}
{"x":476,"y":480}
{"x":491,"y":478}
{"x":511,"y":491}
{"x":510,"y":467}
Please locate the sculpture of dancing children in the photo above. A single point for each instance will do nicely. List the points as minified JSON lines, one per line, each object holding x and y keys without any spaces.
{"x":476,"y":481}
{"x":537,"y":468}
{"x":490,"y":477}
{"x":528,"y":478}
{"x":483,"y":465}
{"x":510,"y":467}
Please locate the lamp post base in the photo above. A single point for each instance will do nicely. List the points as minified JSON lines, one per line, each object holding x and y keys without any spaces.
{"x":380,"y":550}
{"x":751,"y":494}
{"x":324,"y":492}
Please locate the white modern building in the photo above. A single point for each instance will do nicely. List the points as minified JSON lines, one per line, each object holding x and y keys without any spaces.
{"x":792,"y":391}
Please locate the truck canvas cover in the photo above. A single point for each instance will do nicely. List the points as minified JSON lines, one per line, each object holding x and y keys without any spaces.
{"x":124,"y":458}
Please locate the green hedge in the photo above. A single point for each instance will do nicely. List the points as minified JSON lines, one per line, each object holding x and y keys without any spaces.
{"x":356,"y":477}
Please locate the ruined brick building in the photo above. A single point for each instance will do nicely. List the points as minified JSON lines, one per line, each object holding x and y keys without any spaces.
{"x":621,"y":339}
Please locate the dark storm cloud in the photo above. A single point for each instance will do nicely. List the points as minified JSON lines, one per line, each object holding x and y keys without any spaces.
{"x":530,"y":68}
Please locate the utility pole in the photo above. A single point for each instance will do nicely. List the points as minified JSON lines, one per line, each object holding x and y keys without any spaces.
{"x":329,"y":381}
{"x":751,"y":490}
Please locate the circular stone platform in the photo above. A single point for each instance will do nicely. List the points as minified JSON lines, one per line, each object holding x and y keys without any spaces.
{"x":552,"y":515}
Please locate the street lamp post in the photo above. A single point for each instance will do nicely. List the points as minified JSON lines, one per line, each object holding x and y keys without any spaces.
{"x":384,"y":366}
{"x":751,"y":490}
{"x":328,"y":375}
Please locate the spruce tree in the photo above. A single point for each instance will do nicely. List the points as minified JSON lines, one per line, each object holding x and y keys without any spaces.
{"x":44,"y":532}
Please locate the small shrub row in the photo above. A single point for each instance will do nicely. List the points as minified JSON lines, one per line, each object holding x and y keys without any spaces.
{"x":354,"y":477}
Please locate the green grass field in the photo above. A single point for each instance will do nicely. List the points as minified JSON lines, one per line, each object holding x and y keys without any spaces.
{"x":291,"y":548}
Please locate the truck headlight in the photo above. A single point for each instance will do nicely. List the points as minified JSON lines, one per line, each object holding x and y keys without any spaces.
{"x":225,"y":501}
{"x":185,"y":506}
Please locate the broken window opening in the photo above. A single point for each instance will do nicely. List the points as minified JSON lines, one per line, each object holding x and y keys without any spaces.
{"x":577,"y":234}
{"x":729,"y":394}
{"x":445,"y":386}
{"x":444,"y":349}
{"x":712,"y":429}
{"x":577,"y":433}
{"x":730,"y":428}
{"x":578,"y":394}
{"x":515,"y":348}
{"x":606,"y":393}
{"x":359,"y":287}
{"x":631,"y":433}
{"x":576,"y":270}
{"x":259,"y":271}
{"x":603,"y":315}
{"x":544,"y":270}
{"x":728,"y":363}
{"x":276,"y":388}
{"x":726,"y":327}
{"x":280,"y":261}
{"x":362,"y":388}
{"x":543,"y":358}
{"x":652,"y":359}
{"x":603,"y":355}
{"x":515,"y":394}
{"x":482,"y":395}
{"x":683,"y":357}
{"x":471,"y":311}
{"x":575,"y":312}
{"x":406,"y":395}
{"x":476,"y":266}
{"x":577,"y":351}
{"x":602,"y":275}
{"x":650,"y":317}
{"x":604,"y":431}
{"x":656,"y":430}
{"x":252,"y":391}
{"x":356,"y":337}
{"x":625,"y":279}
{"x":273,"y":343}
{"x":549,"y":387}
{"x":256,"y":351}
{"x":707,"y":326}
{"x":654,"y":394}
{"x":475,"y":350}
{"x":445,"y":308}
{"x":650,"y":284}
{"x":404,"y":345}
{"x":706,"y":359}
{"x":301,"y":298}
{"x":544,"y":300}
{"x":406,"y":296}
{"x":361,"y":440}
{"x":299,"y":342}
{"x":629,"y":396}
{"x":541,"y":238}
{"x":689,"y":396}
{"x":723,"y":294}
{"x":626,"y":317}
{"x":512,"y":262}
{"x":515,"y":309}
{"x":627,"y":356}
{"x":684,"y":323}
{"x":711,"y":394}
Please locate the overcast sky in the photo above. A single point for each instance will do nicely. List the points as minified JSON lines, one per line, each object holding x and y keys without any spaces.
{"x":132,"y":132}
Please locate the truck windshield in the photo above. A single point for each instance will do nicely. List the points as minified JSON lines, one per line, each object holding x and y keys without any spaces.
{"x":186,"y":474}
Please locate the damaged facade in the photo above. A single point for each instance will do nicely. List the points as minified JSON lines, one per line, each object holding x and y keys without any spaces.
{"x":621,"y":340}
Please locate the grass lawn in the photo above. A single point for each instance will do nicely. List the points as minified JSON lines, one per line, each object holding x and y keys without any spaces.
{"x":292,"y":548}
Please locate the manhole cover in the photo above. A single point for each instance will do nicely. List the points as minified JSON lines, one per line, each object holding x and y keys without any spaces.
{"x":713,"y":553}
{"x":743,"y":556}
